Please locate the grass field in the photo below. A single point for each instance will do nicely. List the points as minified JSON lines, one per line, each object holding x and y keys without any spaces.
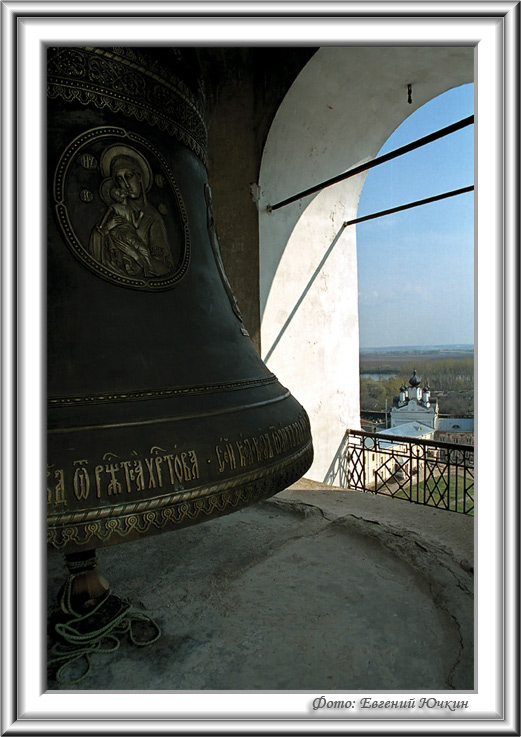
{"x":434,"y":493}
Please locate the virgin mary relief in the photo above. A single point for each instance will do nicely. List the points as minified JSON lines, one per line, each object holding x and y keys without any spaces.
{"x":131,"y":237}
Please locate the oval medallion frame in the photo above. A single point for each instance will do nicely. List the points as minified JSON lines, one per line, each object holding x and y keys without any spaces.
{"x":121,"y":211}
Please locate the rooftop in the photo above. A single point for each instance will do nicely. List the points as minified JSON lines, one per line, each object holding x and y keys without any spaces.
{"x":409,"y":430}
{"x":456,"y":424}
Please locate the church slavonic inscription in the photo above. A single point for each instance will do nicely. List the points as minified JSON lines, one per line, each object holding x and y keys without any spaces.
{"x":120,"y":478}
{"x":81,"y":480}
{"x":55,"y":486}
{"x":245,"y":452}
{"x":115,"y":476}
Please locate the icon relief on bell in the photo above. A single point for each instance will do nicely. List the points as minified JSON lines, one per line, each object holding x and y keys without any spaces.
{"x":135,"y":232}
{"x":88,"y":161}
{"x":86,"y":195}
{"x":131,"y":236}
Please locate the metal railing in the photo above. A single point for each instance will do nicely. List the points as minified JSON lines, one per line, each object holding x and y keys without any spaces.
{"x":437,"y":474}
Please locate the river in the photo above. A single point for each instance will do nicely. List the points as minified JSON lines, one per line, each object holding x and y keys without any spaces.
{"x":378,"y":377}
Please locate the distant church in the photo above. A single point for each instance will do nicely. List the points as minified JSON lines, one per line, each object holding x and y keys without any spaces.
{"x":415,"y":405}
{"x":414,"y":417}
{"x":416,"y":414}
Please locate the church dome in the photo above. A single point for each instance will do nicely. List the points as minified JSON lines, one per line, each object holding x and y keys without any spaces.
{"x":414,"y":380}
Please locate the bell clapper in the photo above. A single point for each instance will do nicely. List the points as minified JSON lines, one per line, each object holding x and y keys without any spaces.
{"x":91,"y":620}
{"x":87,"y":587}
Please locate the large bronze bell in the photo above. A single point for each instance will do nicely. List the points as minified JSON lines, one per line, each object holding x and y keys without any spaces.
{"x":160,"y":412}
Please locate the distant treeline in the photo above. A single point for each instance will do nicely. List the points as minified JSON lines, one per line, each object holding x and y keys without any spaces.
{"x":445,"y":374}
{"x":454,"y":378}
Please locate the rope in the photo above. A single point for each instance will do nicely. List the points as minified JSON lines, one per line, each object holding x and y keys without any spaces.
{"x":100,"y":630}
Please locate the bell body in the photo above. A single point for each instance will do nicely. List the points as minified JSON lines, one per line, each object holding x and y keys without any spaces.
{"x":160,"y":411}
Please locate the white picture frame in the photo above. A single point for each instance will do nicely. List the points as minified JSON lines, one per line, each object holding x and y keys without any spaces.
{"x":27,"y":28}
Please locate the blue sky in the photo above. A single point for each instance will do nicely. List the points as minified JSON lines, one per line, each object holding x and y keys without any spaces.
{"x":416,"y":268}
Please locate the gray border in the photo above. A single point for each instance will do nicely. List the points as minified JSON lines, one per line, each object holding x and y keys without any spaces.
{"x":506,"y":13}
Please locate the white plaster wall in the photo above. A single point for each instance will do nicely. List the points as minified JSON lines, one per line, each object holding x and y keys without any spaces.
{"x":339,"y":112}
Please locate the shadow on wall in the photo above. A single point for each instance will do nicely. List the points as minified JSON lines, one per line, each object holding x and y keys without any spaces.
{"x":303,"y":295}
{"x":338,"y":471}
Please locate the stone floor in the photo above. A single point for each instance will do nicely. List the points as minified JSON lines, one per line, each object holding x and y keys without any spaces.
{"x":315,"y":589}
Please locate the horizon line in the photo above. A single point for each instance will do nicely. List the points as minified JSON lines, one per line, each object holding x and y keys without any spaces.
{"x":421,"y":345}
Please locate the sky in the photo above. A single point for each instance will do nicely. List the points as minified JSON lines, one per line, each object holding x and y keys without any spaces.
{"x":416,"y":268}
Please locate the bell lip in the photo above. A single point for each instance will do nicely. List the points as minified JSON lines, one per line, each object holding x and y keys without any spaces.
{"x":158,"y":515}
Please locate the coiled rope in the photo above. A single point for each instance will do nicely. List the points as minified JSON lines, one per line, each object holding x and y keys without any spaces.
{"x":98,"y":630}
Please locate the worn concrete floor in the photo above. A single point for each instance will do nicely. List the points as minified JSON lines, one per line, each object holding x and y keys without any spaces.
{"x":315,"y":589}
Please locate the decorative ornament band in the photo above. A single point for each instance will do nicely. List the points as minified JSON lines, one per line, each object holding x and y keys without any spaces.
{"x":127,"y":81}
{"x":159,"y":393}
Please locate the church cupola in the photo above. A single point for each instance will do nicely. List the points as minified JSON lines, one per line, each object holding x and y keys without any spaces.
{"x":414,"y":384}
{"x":414,"y":380}
{"x":426,"y":397}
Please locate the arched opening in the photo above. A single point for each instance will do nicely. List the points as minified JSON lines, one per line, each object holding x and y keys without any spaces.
{"x":339,"y":112}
